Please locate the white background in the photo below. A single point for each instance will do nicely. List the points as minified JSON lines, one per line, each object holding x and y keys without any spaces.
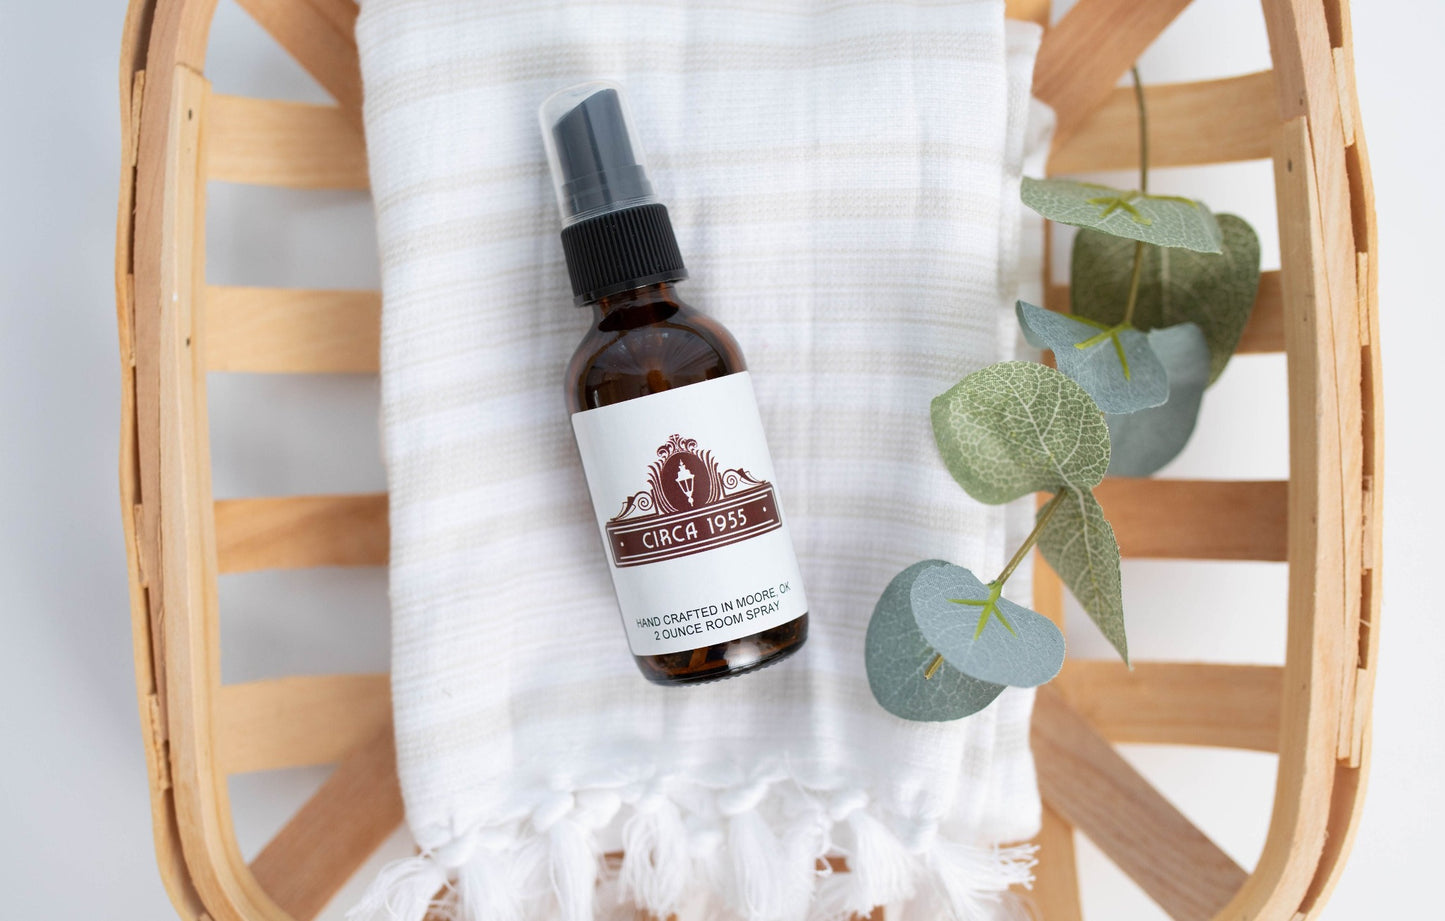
{"x":74,"y":817}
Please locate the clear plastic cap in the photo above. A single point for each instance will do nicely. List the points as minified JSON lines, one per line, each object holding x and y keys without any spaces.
{"x":595,"y":156}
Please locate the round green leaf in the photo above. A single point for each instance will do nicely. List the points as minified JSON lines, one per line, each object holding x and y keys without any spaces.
{"x":1019,"y":427}
{"x":1080,"y":545}
{"x":1164,"y":220}
{"x":1216,"y":292}
{"x":983,"y":634}
{"x":897,"y":657}
{"x":1143,"y":441}
{"x":1115,"y":366}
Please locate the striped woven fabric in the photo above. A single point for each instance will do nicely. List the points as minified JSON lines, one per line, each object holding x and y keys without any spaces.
{"x":843,"y":179}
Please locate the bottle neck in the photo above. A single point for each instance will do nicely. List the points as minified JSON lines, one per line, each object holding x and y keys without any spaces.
{"x":636,"y":307}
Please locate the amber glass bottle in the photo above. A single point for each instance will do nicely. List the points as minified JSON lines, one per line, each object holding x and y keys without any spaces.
{"x":666,"y":423}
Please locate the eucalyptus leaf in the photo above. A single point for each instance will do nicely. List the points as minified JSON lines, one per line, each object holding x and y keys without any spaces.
{"x":897,"y":657}
{"x":1018,"y":427}
{"x":1115,"y":365}
{"x":1163,"y":220}
{"x":1142,"y":442}
{"x":983,"y":634}
{"x":1176,"y":286}
{"x":1079,"y":544}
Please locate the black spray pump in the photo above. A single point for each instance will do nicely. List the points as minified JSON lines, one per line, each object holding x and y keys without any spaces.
{"x":595,"y":154}
{"x":615,"y":234}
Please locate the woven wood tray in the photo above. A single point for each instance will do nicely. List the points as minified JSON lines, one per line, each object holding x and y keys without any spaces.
{"x":1319,"y":308}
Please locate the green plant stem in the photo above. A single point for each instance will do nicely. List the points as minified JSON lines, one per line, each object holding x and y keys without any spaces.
{"x":996,"y":586}
{"x":1143,"y":188}
{"x":1045,"y":514}
{"x":1105,"y":332}
{"x":1143,"y":130}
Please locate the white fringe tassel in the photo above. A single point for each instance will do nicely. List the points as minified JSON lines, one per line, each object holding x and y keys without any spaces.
{"x":405,"y":890}
{"x":655,"y":857}
{"x":487,"y":888}
{"x":749,"y":854}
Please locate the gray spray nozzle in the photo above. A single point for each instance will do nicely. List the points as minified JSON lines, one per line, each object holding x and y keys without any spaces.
{"x":596,"y":161}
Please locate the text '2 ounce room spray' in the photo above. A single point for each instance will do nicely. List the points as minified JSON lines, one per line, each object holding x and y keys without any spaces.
{"x":666,"y":422}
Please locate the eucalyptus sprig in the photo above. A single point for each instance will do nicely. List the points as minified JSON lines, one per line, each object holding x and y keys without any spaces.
{"x":1161,"y":291}
{"x":942,"y":643}
{"x":1162,"y":285}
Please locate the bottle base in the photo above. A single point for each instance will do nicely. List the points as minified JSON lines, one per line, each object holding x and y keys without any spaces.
{"x":726,"y":660}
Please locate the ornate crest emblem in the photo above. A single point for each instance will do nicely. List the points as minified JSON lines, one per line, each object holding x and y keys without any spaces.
{"x":689,"y":505}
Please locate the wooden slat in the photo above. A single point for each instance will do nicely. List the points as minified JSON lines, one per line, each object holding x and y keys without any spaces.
{"x":1035,"y":11}
{"x":1209,"y":121}
{"x":293,"y":144}
{"x":1265,"y":330}
{"x":1084,"y":55}
{"x":1084,"y":780}
{"x":1055,"y":895}
{"x":324,"y":843}
{"x":299,"y":720}
{"x":1263,"y":333}
{"x":296,"y":532}
{"x":340,"y":13}
{"x":288,"y":330}
{"x":1177,"y":703}
{"x":313,"y":32}
{"x":1198,"y":519}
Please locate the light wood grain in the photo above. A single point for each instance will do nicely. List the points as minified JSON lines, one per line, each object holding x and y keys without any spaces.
{"x":293,"y":144}
{"x":163,"y":47}
{"x":1348,"y":792}
{"x":315,"y":34}
{"x":187,"y":579}
{"x":1084,"y":55}
{"x":1177,"y":703}
{"x":1265,"y":330}
{"x":1084,"y":780}
{"x":340,"y":13}
{"x":1311,"y":708}
{"x":323,"y":844}
{"x":297,"y":532}
{"x":1055,"y":895}
{"x":1302,"y":32}
{"x":298,"y":720}
{"x":1317,"y":90}
{"x":1035,"y":11}
{"x":1198,"y":519}
{"x":149,"y":671}
{"x":290,"y":330}
{"x":1263,"y":333}
{"x":1209,"y":121}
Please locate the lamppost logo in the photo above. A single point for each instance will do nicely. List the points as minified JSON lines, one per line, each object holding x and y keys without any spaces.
{"x":690,"y":505}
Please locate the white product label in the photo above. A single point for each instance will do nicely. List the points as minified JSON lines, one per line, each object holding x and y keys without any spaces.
{"x":682,"y":485}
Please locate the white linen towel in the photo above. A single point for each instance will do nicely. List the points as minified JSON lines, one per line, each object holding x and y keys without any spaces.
{"x":843,"y":179}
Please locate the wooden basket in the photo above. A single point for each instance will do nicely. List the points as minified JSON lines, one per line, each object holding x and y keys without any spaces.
{"x":1319,"y":308}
